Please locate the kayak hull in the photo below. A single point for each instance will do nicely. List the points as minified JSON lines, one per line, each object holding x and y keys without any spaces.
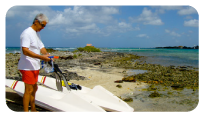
{"x":54,"y":100}
{"x":105,"y":99}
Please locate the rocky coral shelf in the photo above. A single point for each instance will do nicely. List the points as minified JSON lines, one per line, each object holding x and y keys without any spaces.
{"x":175,"y":76}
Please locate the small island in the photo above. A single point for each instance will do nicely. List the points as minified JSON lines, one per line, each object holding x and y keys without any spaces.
{"x":179,"y":47}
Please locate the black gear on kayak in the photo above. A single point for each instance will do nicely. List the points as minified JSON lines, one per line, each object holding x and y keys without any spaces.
{"x":62,"y":77}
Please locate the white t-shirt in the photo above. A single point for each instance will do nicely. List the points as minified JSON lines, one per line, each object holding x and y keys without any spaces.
{"x":30,"y":39}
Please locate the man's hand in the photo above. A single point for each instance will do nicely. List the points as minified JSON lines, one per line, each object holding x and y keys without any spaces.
{"x":46,"y":57}
{"x":45,"y":53}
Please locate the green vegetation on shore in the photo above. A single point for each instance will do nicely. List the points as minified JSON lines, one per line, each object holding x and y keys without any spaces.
{"x":87,"y":49}
{"x":50,"y":50}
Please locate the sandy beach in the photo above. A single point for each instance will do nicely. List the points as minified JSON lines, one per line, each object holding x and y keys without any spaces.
{"x":106,"y":79}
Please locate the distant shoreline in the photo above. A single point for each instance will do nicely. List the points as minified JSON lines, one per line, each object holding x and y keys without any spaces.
{"x":103,"y":49}
{"x":173,"y":47}
{"x":178,"y":47}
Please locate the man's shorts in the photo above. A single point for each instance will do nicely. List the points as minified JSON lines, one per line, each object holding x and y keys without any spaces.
{"x":30,"y":76}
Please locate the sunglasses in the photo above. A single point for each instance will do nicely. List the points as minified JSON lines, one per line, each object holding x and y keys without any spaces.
{"x":43,"y":25}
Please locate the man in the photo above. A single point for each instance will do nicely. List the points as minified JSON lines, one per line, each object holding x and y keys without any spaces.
{"x":29,"y":63}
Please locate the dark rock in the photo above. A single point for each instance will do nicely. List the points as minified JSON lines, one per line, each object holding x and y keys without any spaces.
{"x":168,"y":75}
{"x":118,"y":81}
{"x":68,"y":57}
{"x":15,"y":78}
{"x":119,"y":86}
{"x":18,"y":78}
{"x":128,"y":99}
{"x":129,"y":79}
{"x":72,"y":76}
{"x":152,"y":87}
{"x":154,"y":94}
{"x":176,"y":86}
{"x":9,"y":77}
{"x":97,"y":64}
{"x":183,"y":67}
{"x":83,"y":68}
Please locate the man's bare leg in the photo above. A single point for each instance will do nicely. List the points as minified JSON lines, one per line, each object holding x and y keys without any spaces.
{"x":27,"y":96}
{"x":32,"y":97}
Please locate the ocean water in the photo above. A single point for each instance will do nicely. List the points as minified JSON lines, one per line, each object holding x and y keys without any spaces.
{"x":13,"y":50}
{"x":165,"y":57}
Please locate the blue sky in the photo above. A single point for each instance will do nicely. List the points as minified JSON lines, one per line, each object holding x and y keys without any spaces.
{"x":108,"y":26}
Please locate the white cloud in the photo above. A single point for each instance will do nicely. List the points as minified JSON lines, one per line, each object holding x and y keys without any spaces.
{"x":190,"y":31}
{"x":162,"y":9}
{"x":188,"y":17}
{"x":21,"y":25}
{"x":110,"y":10}
{"x":137,"y":28}
{"x":124,"y":25}
{"x":182,"y":10}
{"x":76,"y":15}
{"x":27,"y":12}
{"x":167,"y":31}
{"x":82,"y":19}
{"x":88,"y":27}
{"x":143,"y":36}
{"x":76,"y":19}
{"x":187,"y":11}
{"x":58,"y":19}
{"x":91,"y":28}
{"x":71,"y":30}
{"x":173,"y":33}
{"x":147,"y":18}
{"x":191,"y":23}
{"x":121,"y":27}
{"x":81,"y":15}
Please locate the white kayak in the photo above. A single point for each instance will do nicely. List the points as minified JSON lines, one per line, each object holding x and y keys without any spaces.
{"x":56,"y":101}
{"x":98,"y":95}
